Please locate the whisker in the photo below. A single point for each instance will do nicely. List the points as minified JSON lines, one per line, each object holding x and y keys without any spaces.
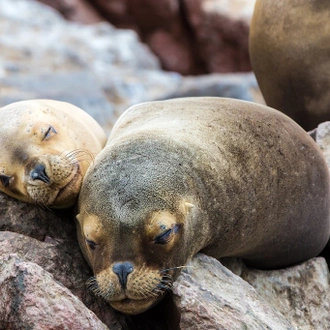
{"x":178,"y":267}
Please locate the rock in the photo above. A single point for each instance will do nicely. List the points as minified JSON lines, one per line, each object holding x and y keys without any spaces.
{"x":73,"y":62}
{"x":191,"y":36}
{"x":99,"y":68}
{"x":48,"y":238}
{"x":34,"y":221}
{"x":76,"y":10}
{"x":221,"y":31}
{"x":322,"y":137}
{"x":210,"y":296}
{"x":300,"y":293}
{"x":78,"y":87}
{"x":235,"y":85}
{"x":31,"y":299}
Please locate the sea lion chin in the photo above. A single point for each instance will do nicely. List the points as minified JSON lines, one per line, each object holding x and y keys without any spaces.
{"x":47,"y":147}
{"x":223,"y":177}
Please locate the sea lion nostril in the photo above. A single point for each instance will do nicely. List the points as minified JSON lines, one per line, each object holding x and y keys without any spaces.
{"x":39,"y":173}
{"x":122,"y":269}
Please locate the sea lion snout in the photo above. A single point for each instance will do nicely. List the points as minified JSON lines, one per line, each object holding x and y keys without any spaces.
{"x":122,"y":269}
{"x":39,"y":173}
{"x":47,"y":147}
{"x":224,"y":177}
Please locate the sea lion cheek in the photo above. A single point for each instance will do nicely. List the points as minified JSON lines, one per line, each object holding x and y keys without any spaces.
{"x":91,"y":235}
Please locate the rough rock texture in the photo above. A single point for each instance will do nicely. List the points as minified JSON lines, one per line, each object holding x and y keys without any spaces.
{"x":76,"y":10}
{"x":99,"y":68}
{"x":322,"y":137}
{"x":221,"y":30}
{"x":188,"y":36}
{"x":300,"y":293}
{"x":104,"y":70}
{"x":209,"y":296}
{"x":31,"y":299}
{"x":47,"y":239}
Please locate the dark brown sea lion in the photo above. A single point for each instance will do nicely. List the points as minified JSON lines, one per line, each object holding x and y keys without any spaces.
{"x":221,"y":176}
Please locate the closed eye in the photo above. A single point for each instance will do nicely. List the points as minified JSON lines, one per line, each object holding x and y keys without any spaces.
{"x":163,"y":238}
{"x":5,"y":180}
{"x":91,"y":244}
{"x":50,"y":131}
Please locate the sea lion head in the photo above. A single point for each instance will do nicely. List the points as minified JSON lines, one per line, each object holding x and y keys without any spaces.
{"x":132,"y":229}
{"x":47,"y":147}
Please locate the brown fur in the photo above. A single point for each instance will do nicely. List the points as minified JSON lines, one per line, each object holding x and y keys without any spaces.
{"x":289,"y":51}
{"x":57,"y":135}
{"x":225,"y":177}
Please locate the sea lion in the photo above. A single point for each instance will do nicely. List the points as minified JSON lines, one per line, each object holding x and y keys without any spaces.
{"x":225,"y":177}
{"x":47,"y":147}
{"x":289,"y":51}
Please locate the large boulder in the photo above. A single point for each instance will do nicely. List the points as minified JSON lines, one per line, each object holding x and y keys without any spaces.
{"x":209,"y":296}
{"x":31,"y":299}
{"x":99,"y":68}
{"x":189,"y":37}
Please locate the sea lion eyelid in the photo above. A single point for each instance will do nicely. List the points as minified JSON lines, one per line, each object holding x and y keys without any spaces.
{"x":5,"y":180}
{"x":49,"y":132}
{"x":166,"y":236}
{"x":91,"y":244}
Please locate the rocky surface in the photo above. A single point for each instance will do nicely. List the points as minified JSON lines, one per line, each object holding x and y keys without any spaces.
{"x":209,"y":296}
{"x":31,"y":299}
{"x":104,"y":70}
{"x":188,"y":36}
{"x":99,"y":68}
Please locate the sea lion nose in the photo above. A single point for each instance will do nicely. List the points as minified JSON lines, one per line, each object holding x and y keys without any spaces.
{"x":122,"y":269}
{"x":39,"y":173}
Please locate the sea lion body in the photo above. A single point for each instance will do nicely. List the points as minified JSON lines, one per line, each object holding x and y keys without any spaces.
{"x":47,"y":147}
{"x":224,"y":177}
{"x":290,"y":56}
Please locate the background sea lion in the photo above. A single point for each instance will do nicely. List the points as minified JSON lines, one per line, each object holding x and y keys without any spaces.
{"x":46,"y":147}
{"x":225,"y":177}
{"x":290,"y":55}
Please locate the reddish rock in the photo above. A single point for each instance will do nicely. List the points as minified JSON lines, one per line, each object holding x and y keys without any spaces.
{"x":174,"y":52}
{"x":75,"y":10}
{"x":188,"y":36}
{"x":221,"y":35}
{"x":32,"y":299}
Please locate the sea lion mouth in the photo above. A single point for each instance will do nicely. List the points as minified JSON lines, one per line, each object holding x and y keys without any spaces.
{"x":132,"y":306}
{"x":71,"y":187}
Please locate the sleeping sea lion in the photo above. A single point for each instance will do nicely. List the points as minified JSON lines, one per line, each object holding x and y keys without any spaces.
{"x":47,"y":147}
{"x":219,"y":176}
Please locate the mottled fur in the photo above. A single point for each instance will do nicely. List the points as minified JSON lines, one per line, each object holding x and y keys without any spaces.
{"x":231,"y":178}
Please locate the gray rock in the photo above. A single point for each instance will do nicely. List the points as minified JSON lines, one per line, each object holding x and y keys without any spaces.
{"x":99,"y":68}
{"x":322,"y":137}
{"x":300,"y":293}
{"x":78,"y":87}
{"x":233,"y":85}
{"x":32,"y":299}
{"x":210,"y":296}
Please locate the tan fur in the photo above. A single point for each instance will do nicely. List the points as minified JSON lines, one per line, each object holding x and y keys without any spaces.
{"x":225,"y":177}
{"x":72,"y":141}
{"x":289,"y":51}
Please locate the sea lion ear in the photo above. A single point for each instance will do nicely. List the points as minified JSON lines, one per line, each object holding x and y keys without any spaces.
{"x":187,"y":207}
{"x":79,"y":217}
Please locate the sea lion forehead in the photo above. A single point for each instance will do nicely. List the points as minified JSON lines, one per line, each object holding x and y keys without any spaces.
{"x":25,"y":114}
